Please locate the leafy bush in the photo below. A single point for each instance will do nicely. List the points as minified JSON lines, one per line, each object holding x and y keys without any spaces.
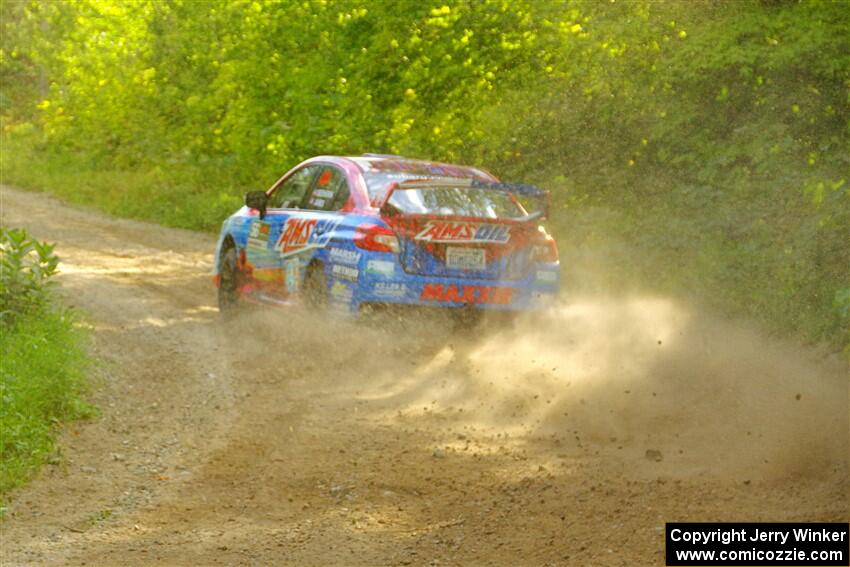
{"x":25,"y":268}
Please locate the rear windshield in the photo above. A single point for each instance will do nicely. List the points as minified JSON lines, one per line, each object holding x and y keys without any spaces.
{"x":379,"y":174}
{"x":458,"y":201}
{"x":378,"y":182}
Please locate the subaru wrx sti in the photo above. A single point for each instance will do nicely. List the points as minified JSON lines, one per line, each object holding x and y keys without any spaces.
{"x":343,"y":233}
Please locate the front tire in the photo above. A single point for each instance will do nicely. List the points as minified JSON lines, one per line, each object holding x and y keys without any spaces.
{"x":228,"y":287}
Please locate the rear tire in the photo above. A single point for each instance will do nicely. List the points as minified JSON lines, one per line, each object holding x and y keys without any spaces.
{"x":316,"y":288}
{"x":229,"y":281}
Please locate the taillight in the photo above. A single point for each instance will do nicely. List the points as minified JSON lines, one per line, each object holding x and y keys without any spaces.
{"x":545,"y":250}
{"x":376,"y":238}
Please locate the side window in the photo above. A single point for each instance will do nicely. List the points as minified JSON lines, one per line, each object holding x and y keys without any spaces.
{"x":291,"y":194}
{"x":330,"y":191}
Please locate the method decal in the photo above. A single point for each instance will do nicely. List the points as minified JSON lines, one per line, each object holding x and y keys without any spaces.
{"x":345,"y":272}
{"x":466,"y":294}
{"x":448,"y":231}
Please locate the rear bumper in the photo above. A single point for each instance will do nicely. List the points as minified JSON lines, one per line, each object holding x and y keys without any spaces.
{"x":537,"y":290}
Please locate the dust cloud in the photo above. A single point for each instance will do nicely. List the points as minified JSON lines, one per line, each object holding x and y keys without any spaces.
{"x":646,"y":380}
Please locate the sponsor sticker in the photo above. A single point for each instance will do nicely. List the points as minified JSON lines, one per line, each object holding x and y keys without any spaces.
{"x":292,"y":274}
{"x":323,"y":193}
{"x":380,"y":267}
{"x":258,"y":234}
{"x":341,"y":291}
{"x":345,"y":272}
{"x":390,"y":289}
{"x":448,"y":231}
{"x":343,"y":256}
{"x":467,"y":294}
{"x":325,"y":177}
{"x":300,"y":234}
{"x":547,"y":277}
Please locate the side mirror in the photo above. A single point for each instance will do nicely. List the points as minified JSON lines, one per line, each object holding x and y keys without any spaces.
{"x":257,"y":200}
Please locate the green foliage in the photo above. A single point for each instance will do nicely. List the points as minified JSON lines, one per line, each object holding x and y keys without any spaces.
{"x":42,"y":357}
{"x":714,"y":133}
{"x":25,"y":266}
{"x":42,"y":375}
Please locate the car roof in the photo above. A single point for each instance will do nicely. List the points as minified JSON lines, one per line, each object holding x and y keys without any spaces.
{"x":424,"y":168}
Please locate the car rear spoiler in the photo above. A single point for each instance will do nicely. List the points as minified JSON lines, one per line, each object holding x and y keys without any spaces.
{"x":530,"y":191}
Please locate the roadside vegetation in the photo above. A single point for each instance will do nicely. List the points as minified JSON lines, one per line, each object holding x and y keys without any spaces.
{"x":700,"y":147}
{"x":43,"y":360}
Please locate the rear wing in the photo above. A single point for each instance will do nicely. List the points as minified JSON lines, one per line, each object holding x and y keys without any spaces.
{"x":541,"y":196}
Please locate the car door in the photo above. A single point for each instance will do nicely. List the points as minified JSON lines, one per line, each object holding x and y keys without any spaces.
{"x":301,"y":219}
{"x":317,"y":225}
{"x":263,"y":249}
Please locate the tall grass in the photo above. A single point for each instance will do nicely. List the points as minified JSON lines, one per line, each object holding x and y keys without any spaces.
{"x":180,"y":195}
{"x":43,"y":364}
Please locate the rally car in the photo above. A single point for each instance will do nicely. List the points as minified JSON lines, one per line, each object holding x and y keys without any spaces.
{"x":343,"y":233}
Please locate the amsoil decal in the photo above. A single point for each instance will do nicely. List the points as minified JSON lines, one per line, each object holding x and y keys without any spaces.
{"x":467,"y":294}
{"x":448,"y":231}
{"x":299,"y":234}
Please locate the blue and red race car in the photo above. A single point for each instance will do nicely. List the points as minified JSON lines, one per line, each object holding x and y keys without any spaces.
{"x":349,"y":232}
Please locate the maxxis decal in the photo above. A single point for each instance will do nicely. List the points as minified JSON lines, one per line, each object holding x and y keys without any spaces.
{"x":453,"y":293}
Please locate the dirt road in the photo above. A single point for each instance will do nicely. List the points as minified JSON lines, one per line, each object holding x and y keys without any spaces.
{"x":568,"y":440}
